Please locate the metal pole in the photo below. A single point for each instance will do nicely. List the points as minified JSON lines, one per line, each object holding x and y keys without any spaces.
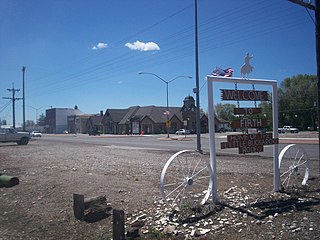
{"x":24,"y":99}
{"x":213,"y":158}
{"x":317,"y":15}
{"x":198,"y":126}
{"x":316,"y":8}
{"x":167,"y":83}
{"x":275,"y":117}
{"x":167,"y":123}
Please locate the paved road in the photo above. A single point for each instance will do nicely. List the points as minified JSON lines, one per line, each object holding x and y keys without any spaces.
{"x":175,"y":143}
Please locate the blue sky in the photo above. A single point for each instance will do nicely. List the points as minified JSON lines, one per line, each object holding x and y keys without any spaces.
{"x":89,"y":53}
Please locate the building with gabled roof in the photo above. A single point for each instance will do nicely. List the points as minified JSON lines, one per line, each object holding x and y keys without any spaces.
{"x":149,"y":119}
{"x":94,"y":123}
{"x":142,"y":120}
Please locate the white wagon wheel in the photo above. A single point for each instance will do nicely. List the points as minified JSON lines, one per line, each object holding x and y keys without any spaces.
{"x":186,"y":180}
{"x":294,"y":166}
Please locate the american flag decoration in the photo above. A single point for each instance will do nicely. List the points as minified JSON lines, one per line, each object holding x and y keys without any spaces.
{"x":221,"y":72}
{"x":166,"y":113}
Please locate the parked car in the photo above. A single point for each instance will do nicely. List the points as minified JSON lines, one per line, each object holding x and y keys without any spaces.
{"x":11,"y":135}
{"x":36,"y":134}
{"x":94,"y":132}
{"x":183,"y":132}
{"x":289,"y":129}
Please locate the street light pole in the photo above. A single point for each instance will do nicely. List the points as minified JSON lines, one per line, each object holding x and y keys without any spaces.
{"x":24,"y":99}
{"x":167,"y":88}
{"x":197,"y":90}
{"x":316,"y":9}
{"x":37,"y":109}
{"x":167,"y":113}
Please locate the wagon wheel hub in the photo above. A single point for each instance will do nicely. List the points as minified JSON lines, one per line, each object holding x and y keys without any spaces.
{"x":189,"y":181}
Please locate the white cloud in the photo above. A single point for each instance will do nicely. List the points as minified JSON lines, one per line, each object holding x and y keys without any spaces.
{"x":141,"y":46}
{"x":100,"y":45}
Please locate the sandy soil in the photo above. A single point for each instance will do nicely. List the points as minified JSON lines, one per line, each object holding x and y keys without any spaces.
{"x":41,"y":206}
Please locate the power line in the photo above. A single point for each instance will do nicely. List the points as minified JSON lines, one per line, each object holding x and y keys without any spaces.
{"x":4,"y":106}
{"x":180,"y":42}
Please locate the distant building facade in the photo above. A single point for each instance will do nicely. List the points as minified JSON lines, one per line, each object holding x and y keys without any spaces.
{"x":132,"y":120}
{"x":56,"y":120}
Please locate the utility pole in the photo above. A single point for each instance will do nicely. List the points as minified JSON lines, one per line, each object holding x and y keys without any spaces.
{"x":315,"y":8}
{"x":197,"y":91}
{"x":13,"y":99}
{"x":24,"y":99}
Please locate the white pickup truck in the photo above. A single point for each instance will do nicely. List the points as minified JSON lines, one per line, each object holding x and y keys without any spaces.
{"x":11,"y":135}
{"x":288,"y":129}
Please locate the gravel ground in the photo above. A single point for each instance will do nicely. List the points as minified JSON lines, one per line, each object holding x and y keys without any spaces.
{"x":41,"y":206}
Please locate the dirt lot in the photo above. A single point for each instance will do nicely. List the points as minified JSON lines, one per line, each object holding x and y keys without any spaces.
{"x":41,"y":206}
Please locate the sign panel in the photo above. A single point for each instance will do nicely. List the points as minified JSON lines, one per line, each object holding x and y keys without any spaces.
{"x":249,"y":123}
{"x":244,"y":95}
{"x":247,"y":111}
{"x":168,"y":123}
{"x":247,"y":137}
{"x":249,"y":143}
{"x":135,"y":128}
{"x":252,"y":149}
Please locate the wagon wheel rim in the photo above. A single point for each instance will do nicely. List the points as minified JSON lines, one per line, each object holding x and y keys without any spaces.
{"x":186,"y":180}
{"x":294,"y":166}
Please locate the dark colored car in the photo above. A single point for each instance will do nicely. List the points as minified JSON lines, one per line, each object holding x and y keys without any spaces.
{"x":94,"y":132}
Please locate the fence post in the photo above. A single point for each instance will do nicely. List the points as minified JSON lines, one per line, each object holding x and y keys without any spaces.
{"x":118,"y":225}
{"x":78,"y":205}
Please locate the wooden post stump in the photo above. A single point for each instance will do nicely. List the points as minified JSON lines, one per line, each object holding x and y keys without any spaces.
{"x":118,"y":224}
{"x":94,"y":205}
{"x":78,"y":205}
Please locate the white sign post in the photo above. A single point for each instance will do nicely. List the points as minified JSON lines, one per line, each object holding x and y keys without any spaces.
{"x":213,"y":162}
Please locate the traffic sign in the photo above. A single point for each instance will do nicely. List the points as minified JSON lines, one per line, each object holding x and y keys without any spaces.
{"x":168,"y":123}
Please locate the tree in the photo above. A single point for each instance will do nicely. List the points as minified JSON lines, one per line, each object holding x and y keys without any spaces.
{"x":41,"y":120}
{"x":225,"y":111}
{"x":266,"y":111}
{"x":297,"y":101}
{"x":3,"y":122}
{"x":30,"y":124}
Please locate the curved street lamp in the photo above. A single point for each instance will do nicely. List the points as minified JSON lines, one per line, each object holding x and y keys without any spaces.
{"x":37,"y":109}
{"x":167,"y":87}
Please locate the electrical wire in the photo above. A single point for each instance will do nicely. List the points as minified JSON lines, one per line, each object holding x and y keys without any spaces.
{"x":5,"y":106}
{"x":175,"y":47}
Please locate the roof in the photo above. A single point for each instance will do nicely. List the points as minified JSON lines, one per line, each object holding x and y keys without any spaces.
{"x":130,"y":112}
{"x":116,"y":115}
{"x":96,"y":119}
{"x":155,"y":113}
